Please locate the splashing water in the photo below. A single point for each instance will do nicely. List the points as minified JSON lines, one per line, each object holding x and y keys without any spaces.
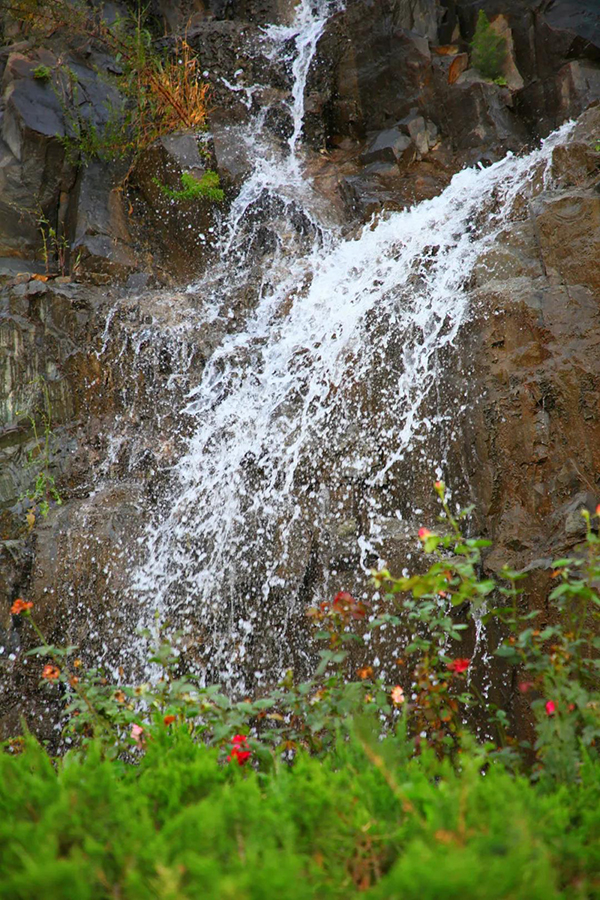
{"x":305,"y":416}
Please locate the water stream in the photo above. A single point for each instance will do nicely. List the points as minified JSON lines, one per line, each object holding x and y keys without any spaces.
{"x":310,"y":410}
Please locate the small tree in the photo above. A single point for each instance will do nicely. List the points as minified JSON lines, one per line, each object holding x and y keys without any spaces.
{"x":488,"y":49}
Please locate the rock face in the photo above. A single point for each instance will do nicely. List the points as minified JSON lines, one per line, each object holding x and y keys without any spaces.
{"x":393,"y":109}
{"x":534,"y":342}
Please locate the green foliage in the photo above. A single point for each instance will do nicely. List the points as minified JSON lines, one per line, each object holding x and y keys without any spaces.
{"x":488,"y":50}
{"x":331,"y":787}
{"x":556,"y":667}
{"x":42,"y":73}
{"x":56,"y":252}
{"x":207,"y":187}
{"x":179,"y":825}
{"x":161,"y":91}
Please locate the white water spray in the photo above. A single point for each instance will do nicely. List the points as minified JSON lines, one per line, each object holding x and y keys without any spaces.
{"x":305,"y":417}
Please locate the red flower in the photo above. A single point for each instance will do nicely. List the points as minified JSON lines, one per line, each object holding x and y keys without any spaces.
{"x":598,"y":510}
{"x":424,"y":533}
{"x":20,"y":606}
{"x":459,"y":665}
{"x":240,"y":755}
{"x":524,"y":686}
{"x":168,"y":720}
{"x":50,"y":672}
{"x":550,"y":707}
{"x":240,"y":750}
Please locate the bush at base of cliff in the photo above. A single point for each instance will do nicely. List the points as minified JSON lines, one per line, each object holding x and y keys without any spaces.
{"x":365,"y":820}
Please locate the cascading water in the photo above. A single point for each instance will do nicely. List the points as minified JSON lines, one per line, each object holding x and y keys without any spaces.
{"x":312,"y":407}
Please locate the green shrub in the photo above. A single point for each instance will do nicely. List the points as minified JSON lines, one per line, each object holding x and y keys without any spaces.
{"x":555,"y":667}
{"x":178,"y":825}
{"x":42,"y":73}
{"x":488,"y":50}
{"x":331,"y":787}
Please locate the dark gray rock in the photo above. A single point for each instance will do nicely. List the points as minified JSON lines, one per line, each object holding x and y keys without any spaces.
{"x":389,"y":146}
{"x":175,"y":231}
{"x":101,"y":240}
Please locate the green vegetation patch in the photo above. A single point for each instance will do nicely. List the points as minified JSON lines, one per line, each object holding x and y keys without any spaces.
{"x":181,"y":825}
{"x":207,"y":187}
{"x":488,"y":49}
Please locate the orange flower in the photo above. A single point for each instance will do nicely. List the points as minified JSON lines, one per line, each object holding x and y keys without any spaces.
{"x":50,"y":672}
{"x":20,"y":606}
{"x":424,"y":533}
{"x":73,"y":680}
{"x":365,"y":672}
{"x":168,"y":720}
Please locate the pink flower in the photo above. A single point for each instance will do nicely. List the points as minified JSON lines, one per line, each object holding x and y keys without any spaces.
{"x":136,"y":733}
{"x":424,"y":533}
{"x":525,"y":686}
{"x":550,"y":707}
{"x":459,"y":665}
{"x":397,"y":695}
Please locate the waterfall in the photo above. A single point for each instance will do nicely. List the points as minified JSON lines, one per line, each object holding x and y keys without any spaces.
{"x":310,"y":409}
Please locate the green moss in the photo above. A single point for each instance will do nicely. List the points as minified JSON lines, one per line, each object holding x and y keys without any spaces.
{"x":207,"y":187}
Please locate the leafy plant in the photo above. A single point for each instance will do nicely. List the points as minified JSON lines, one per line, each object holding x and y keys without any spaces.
{"x":162,"y":91}
{"x":43,"y":491}
{"x":42,"y":73}
{"x":207,"y":187}
{"x":389,"y":795}
{"x":488,"y":49}
{"x":55,"y":248}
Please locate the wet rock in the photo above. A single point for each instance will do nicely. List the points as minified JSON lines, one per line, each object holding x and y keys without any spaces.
{"x":532,"y":352}
{"x":510,"y":72}
{"x":102,"y":243}
{"x":230,"y":153}
{"x":372,"y":70}
{"x":180,"y":228}
{"x":389,"y":146}
{"x":475,"y":114}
